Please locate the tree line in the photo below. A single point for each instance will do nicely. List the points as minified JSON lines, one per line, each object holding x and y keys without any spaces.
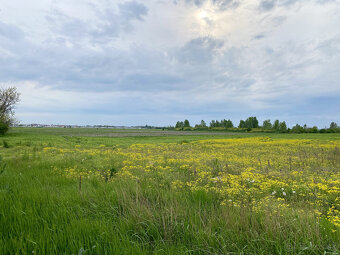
{"x":252,"y":124}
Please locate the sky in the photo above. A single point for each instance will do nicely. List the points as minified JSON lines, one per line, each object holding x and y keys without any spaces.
{"x":159,"y":61}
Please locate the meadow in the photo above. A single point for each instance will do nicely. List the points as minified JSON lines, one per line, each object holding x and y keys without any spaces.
{"x":89,"y":191}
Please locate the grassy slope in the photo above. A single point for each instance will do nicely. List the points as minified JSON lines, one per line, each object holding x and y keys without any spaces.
{"x":45,"y":213}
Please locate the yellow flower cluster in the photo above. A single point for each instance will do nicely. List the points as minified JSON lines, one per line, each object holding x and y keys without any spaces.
{"x":257,"y":172}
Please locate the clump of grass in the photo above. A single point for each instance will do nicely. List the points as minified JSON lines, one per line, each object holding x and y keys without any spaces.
{"x":3,"y":166}
{"x":183,"y":142}
{"x":5,"y":144}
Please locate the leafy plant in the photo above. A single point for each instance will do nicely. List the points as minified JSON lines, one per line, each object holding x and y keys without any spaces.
{"x":5,"y":144}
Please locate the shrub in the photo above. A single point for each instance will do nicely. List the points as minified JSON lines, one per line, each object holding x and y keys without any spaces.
{"x":5,"y":144}
{"x":3,"y":127}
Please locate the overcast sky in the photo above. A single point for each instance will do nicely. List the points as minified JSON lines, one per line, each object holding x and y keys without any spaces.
{"x":158,"y":61}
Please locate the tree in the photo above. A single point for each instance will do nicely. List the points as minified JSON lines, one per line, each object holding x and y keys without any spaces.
{"x":179,"y":124}
{"x":267,"y":125}
{"x":229,"y":124}
{"x":186,"y":123}
{"x":203,"y":124}
{"x":276,"y":125}
{"x":333,"y":125}
{"x":252,"y":122}
{"x":242,"y":124}
{"x":297,"y":129}
{"x":8,"y":98}
{"x":283,"y":127}
{"x":314,"y":129}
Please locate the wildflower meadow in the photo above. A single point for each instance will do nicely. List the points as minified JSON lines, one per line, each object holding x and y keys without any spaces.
{"x":255,"y":194}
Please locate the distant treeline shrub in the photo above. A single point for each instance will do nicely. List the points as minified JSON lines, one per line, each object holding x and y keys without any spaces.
{"x":251,"y":124}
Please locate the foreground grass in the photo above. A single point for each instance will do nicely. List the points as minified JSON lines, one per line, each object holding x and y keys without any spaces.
{"x":184,"y":195}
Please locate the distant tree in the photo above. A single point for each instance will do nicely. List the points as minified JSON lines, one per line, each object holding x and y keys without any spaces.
{"x":252,"y":122}
{"x":203,"y":124}
{"x":223,"y":123}
{"x":186,"y":123}
{"x":314,"y":129}
{"x":276,"y":125}
{"x":297,"y":129}
{"x":179,"y":124}
{"x":333,"y":125}
{"x":255,"y":122}
{"x":229,"y":124}
{"x":242,"y":124}
{"x":8,"y":98}
{"x":283,"y":127}
{"x":267,"y":125}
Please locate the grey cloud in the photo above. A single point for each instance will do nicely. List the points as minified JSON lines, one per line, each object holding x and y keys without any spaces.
{"x":138,"y":69}
{"x":202,"y":63}
{"x":224,"y":4}
{"x":201,"y":66}
{"x":133,"y":10}
{"x":331,"y":47}
{"x":205,"y":75}
{"x":84,"y":69}
{"x":150,"y":82}
{"x":259,"y":36}
{"x":219,"y":4}
{"x":8,"y":31}
{"x":69,"y":26}
{"x":200,"y":50}
{"x":196,"y":2}
{"x":110,"y":22}
{"x":267,"y":5}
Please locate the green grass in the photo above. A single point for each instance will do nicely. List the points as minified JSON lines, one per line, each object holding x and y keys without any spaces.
{"x":42,"y":212}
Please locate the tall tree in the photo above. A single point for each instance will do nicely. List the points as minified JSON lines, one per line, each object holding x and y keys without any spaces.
{"x":179,"y":124}
{"x":252,"y":122}
{"x":229,"y":124}
{"x":223,"y":123}
{"x":333,"y":125}
{"x":212,"y":124}
{"x":8,"y":99}
{"x":267,"y":125}
{"x":276,"y":125}
{"x":203,"y":124}
{"x":242,"y":124}
{"x":283,"y":127}
{"x":186,"y":123}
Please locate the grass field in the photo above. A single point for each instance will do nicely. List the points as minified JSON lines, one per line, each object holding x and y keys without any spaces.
{"x":89,"y":191}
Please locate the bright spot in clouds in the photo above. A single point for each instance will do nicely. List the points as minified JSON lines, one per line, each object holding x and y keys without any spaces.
{"x":203,"y":14}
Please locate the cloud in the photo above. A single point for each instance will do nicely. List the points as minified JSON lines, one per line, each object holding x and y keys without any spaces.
{"x":10,"y":32}
{"x":108,"y":22}
{"x":133,"y":10}
{"x":268,"y":5}
{"x":159,"y":59}
{"x":200,"y":51}
{"x":220,"y":5}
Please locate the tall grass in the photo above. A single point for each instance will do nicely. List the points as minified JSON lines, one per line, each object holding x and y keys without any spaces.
{"x":43,"y":212}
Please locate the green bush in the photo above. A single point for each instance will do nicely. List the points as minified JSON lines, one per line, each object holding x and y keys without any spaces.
{"x":3,"y":127}
{"x":5,"y":144}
